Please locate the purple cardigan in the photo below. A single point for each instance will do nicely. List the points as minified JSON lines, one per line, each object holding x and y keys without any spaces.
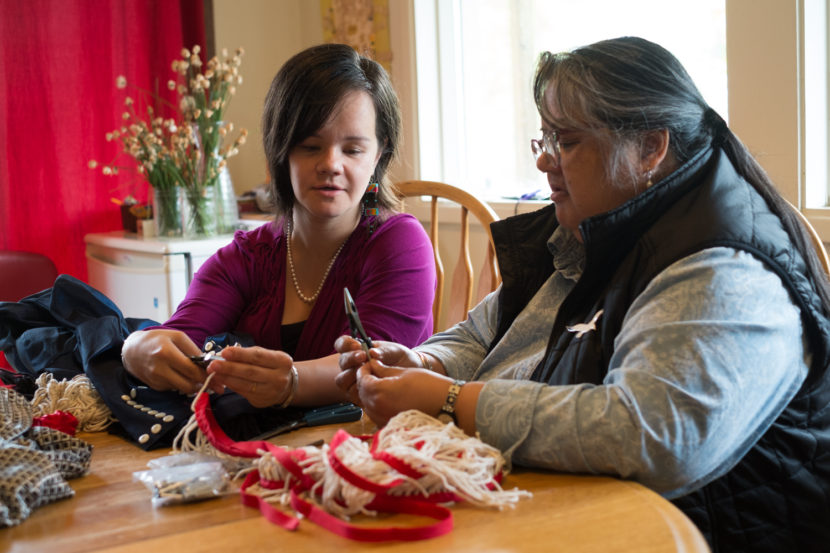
{"x":390,"y":274}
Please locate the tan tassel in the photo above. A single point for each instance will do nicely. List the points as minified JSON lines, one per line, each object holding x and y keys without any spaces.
{"x":77,"y":396}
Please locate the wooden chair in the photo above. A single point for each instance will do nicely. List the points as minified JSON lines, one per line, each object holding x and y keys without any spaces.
{"x":461,"y":291}
{"x":24,"y":273}
{"x":821,"y":251}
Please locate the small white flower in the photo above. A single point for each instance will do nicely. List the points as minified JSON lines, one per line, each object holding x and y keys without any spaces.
{"x":121,"y":81}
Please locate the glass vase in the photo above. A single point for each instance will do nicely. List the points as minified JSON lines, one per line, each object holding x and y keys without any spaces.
{"x":167,"y":212}
{"x":227,"y":210}
{"x":211,"y":198}
{"x":199,"y":212}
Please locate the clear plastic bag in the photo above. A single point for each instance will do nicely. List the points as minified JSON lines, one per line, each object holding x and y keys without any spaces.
{"x":180,"y":459}
{"x":172,"y":485}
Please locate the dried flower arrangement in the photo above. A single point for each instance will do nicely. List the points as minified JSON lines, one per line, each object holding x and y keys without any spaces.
{"x":188,"y":151}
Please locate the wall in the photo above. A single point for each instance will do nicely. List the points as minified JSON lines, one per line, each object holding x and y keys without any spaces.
{"x":764,"y":96}
{"x":271,"y":31}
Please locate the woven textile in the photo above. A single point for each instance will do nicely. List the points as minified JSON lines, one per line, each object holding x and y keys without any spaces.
{"x":35,"y":462}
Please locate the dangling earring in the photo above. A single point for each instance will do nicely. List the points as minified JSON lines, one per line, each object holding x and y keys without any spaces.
{"x":648,"y":176}
{"x":370,"y":202}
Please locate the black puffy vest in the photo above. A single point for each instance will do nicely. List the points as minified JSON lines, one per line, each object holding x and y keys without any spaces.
{"x":777,"y":498}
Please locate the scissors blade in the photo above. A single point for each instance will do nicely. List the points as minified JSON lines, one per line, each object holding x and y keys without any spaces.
{"x":204,"y":359}
{"x":354,"y":321}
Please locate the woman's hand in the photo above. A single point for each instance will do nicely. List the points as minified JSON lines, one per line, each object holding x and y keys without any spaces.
{"x":352,"y":357}
{"x":385,"y":391}
{"x":159,"y":358}
{"x":262,"y":376}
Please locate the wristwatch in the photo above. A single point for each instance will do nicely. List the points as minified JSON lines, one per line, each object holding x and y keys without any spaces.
{"x":447,"y":413}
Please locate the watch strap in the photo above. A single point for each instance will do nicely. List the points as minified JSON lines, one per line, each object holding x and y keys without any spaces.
{"x":452,"y":396}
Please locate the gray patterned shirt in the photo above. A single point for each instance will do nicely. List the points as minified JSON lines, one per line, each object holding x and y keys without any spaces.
{"x":708,"y":355}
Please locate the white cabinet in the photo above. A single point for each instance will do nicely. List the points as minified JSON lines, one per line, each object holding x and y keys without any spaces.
{"x":146,"y":277}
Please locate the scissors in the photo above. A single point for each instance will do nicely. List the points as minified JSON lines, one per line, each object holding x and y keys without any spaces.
{"x":203,"y":359}
{"x":354,"y":322}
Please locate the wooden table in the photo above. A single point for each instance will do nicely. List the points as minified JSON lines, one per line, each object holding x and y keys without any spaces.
{"x":112,"y":513}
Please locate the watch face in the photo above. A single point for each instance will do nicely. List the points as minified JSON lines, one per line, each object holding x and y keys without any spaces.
{"x":445,"y":417}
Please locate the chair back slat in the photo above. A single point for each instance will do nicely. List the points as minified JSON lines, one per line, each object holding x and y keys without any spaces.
{"x":462,"y":288}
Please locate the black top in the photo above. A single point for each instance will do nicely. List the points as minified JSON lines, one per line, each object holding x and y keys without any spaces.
{"x":290,"y":336}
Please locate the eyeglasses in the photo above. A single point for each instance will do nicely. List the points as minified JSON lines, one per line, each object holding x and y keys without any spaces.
{"x":549,"y":144}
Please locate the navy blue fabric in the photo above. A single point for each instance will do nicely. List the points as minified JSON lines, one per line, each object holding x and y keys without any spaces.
{"x":73,"y":329}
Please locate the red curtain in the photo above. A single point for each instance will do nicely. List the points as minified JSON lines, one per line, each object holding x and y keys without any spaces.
{"x":58,"y":63}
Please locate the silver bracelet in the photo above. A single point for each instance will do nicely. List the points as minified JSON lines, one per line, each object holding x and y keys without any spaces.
{"x":424,"y":361}
{"x":295,"y":379}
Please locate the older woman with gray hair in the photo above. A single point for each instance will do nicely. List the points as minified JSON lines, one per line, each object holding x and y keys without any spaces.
{"x":665,"y":320}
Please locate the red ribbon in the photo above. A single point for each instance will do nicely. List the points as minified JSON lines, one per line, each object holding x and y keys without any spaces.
{"x":59,"y":420}
{"x":383,"y":501}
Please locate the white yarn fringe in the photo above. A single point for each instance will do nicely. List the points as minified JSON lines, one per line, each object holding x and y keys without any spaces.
{"x":77,"y":396}
{"x":448,"y":459}
{"x":191,"y":439}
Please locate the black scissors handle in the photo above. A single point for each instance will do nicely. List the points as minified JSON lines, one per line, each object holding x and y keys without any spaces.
{"x":354,"y":321}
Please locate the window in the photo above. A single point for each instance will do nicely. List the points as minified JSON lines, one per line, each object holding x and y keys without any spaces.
{"x":475,"y":64}
{"x":815,"y":104}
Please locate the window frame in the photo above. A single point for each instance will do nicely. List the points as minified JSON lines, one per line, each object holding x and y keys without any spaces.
{"x":765,"y":63}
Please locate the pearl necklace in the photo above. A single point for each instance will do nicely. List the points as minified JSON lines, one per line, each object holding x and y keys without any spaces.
{"x":300,"y":294}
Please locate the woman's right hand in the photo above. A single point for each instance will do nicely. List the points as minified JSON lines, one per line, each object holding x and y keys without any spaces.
{"x":352,"y":357}
{"x":159,"y":358}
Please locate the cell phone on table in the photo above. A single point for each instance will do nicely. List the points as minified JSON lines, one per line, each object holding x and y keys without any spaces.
{"x":354,"y":322}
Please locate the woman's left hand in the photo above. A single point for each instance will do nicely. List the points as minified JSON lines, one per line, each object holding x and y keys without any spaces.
{"x":386,"y":391}
{"x":262,"y":376}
